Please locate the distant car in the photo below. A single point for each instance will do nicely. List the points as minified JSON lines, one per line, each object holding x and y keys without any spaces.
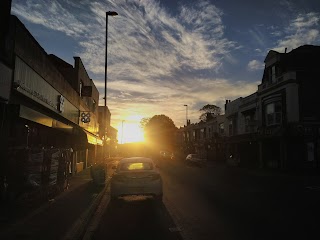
{"x":166,"y":154}
{"x":195,"y":159}
{"x":136,"y":176}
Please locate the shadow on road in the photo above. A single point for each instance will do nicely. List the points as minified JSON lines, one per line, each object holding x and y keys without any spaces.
{"x":136,"y":218}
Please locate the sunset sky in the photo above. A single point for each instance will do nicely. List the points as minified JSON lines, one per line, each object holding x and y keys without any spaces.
{"x":163,"y":54}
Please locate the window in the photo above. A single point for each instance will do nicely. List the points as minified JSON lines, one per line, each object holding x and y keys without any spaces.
{"x":273,"y":74}
{"x":80,"y":88}
{"x":248,"y":123}
{"x":231,"y":128}
{"x":136,"y":166}
{"x":94,"y":105}
{"x":221,"y":128}
{"x":202,"y":133}
{"x":273,"y":113}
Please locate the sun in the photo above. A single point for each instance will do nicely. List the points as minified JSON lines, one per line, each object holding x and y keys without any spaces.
{"x":130,"y":132}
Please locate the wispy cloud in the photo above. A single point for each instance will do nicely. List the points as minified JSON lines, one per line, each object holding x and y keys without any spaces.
{"x":169,"y":98}
{"x":154,"y":57}
{"x":254,"y":65}
{"x":303,"y":29}
{"x":50,"y":14}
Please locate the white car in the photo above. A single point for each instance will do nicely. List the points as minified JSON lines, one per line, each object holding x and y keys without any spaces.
{"x":195,"y":159}
{"x":136,"y":176}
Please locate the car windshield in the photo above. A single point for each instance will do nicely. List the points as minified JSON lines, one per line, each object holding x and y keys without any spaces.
{"x":136,"y":166}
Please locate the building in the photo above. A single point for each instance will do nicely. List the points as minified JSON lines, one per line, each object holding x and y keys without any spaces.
{"x":241,"y":129}
{"x":87,"y":106}
{"x":204,"y":138}
{"x":49,"y":114}
{"x":278,"y":126}
{"x":112,"y":141}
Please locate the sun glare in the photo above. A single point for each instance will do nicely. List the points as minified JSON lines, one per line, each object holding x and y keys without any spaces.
{"x":130,"y":132}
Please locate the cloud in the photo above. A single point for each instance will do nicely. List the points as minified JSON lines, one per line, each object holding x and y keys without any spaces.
{"x":258,"y":36}
{"x":303,"y":29}
{"x":154,"y":57}
{"x":254,"y":65}
{"x":50,"y":14}
{"x":169,"y":97}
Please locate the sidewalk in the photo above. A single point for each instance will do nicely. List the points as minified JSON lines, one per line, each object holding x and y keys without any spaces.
{"x":55,"y":218}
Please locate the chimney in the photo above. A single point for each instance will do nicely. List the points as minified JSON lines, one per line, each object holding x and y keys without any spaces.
{"x":285,"y":50}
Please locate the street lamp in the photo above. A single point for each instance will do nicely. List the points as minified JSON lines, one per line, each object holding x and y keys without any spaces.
{"x":186,"y":113}
{"x":109,"y":13}
{"x":28,"y":131}
{"x":122,"y":132}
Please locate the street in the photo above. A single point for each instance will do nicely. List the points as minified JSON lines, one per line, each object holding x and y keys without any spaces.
{"x":215,"y":202}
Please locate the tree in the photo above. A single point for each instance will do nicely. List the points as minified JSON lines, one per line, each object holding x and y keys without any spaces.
{"x":208,"y":112}
{"x":159,"y":132}
{"x":144,"y":122}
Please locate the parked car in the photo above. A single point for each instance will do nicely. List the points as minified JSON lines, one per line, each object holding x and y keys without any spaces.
{"x":195,"y":159}
{"x":136,"y":176}
{"x":166,"y":155}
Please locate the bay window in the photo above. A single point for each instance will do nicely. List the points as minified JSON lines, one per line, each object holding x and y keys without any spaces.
{"x":273,"y":113}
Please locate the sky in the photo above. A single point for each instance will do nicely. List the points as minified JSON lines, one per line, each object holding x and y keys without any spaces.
{"x":164,"y":54}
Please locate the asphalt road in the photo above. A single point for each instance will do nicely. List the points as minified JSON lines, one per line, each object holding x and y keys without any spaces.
{"x":133,"y":217}
{"x":216,"y":202}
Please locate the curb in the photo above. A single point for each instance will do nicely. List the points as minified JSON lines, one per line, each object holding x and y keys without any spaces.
{"x":79,"y":227}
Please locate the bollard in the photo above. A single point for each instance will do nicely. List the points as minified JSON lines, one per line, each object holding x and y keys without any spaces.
{"x":98,"y":174}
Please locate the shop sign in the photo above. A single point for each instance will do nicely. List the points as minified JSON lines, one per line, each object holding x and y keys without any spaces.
{"x":34,"y":93}
{"x":85,"y":117}
{"x":61,"y":103}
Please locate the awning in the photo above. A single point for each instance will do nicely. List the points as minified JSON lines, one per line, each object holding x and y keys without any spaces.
{"x":35,"y":116}
{"x":93,"y":139}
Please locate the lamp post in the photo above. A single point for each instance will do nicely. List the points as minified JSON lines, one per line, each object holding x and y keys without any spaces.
{"x":122,"y":132}
{"x":28,"y":131}
{"x":109,"y":13}
{"x":186,"y":114}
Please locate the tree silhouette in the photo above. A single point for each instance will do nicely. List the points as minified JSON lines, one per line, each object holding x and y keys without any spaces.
{"x":208,"y":112}
{"x":159,"y":132}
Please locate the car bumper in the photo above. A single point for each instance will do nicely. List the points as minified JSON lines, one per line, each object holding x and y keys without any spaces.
{"x":120,"y":189}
